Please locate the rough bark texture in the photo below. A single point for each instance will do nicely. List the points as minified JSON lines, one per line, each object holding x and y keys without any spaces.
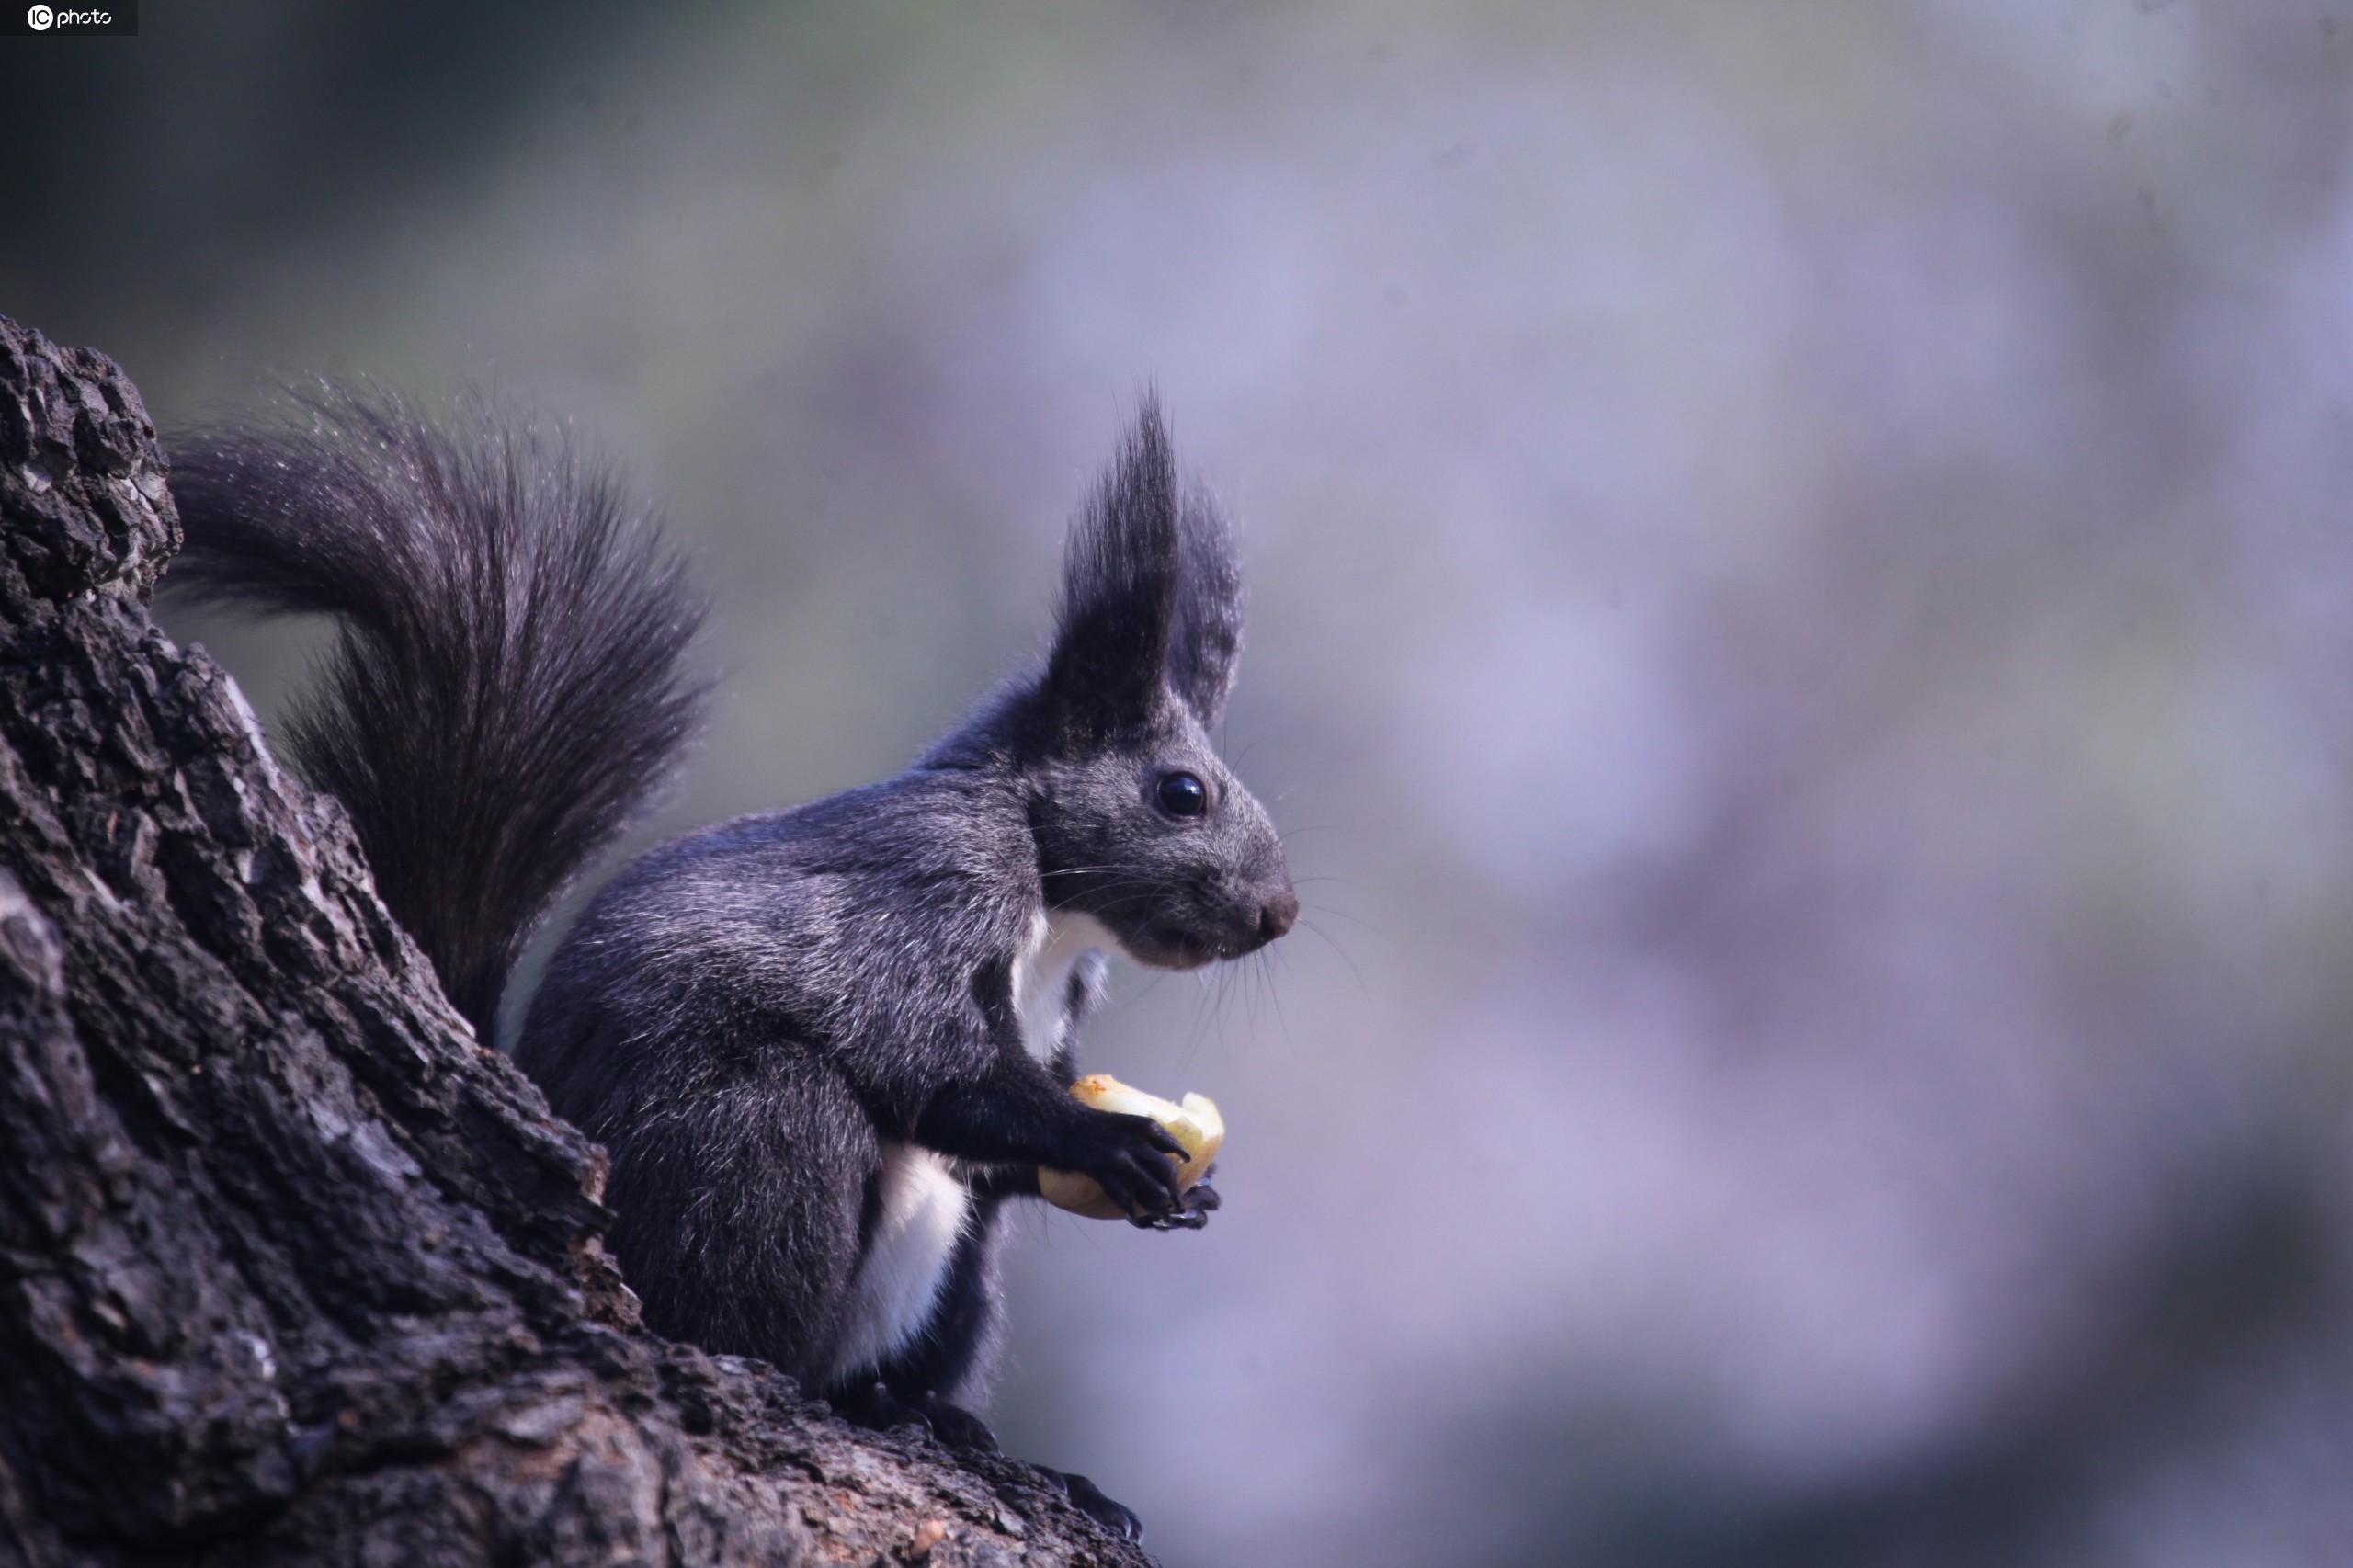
{"x":291,"y":1269}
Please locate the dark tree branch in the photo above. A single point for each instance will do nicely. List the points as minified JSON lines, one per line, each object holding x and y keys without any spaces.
{"x":291,"y":1269}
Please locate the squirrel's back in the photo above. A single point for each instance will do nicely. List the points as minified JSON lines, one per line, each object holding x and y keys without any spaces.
{"x":507,"y":688}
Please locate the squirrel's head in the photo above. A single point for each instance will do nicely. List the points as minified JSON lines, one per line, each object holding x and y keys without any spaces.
{"x":1138,"y":822}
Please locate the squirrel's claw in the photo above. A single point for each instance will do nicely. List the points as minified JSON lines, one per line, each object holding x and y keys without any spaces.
{"x":1199,"y":1201}
{"x":1089,"y":1498}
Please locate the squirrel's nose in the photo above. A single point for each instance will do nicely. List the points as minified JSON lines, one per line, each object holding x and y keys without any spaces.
{"x":1278,"y":914}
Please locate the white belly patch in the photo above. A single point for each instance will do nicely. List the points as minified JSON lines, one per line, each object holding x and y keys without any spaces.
{"x":923,"y":1212}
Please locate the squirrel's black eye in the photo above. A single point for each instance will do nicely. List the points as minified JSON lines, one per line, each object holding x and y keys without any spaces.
{"x":1182,"y":795}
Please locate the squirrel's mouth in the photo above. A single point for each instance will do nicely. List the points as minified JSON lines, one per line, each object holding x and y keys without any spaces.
{"x":1176,"y":947}
{"x":1174,"y":950}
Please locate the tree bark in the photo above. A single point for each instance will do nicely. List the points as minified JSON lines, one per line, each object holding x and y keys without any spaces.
{"x":291,"y":1269}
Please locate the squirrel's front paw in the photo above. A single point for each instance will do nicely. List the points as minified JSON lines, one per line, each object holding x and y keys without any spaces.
{"x":1135,"y":1161}
{"x":1195,"y":1126}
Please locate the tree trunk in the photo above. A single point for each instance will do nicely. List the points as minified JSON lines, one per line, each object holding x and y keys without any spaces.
{"x":291,"y":1269}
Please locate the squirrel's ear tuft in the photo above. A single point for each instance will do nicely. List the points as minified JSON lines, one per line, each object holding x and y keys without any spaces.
{"x":1121,"y":574}
{"x":1205,"y":639}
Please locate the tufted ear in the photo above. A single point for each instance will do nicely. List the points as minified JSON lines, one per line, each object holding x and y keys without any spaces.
{"x":1205,"y":639}
{"x":1121,"y":574}
{"x":1151,"y":597}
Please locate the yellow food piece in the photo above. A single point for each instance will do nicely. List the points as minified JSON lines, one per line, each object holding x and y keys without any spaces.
{"x":1195,"y":1123}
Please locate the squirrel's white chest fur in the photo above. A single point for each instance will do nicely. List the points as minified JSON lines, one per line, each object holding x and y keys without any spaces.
{"x":1041,"y":975}
{"x":923,"y":1204}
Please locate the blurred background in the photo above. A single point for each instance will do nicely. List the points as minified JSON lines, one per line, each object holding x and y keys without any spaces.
{"x":1803,"y":638}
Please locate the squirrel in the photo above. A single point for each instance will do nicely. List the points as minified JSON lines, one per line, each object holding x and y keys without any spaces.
{"x":823,"y":1047}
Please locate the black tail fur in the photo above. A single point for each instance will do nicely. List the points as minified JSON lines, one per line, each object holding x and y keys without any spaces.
{"x":507,"y":690}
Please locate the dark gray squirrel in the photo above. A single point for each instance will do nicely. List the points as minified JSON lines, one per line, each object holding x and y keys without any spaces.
{"x":823,"y":1047}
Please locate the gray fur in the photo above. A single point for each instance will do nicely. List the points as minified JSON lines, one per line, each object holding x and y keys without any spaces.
{"x":506,"y":688}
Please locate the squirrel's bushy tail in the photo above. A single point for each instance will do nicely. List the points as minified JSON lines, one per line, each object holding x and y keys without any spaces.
{"x":508,"y":689}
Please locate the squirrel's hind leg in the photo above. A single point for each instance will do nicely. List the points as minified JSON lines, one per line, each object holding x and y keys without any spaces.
{"x":737,"y":1213}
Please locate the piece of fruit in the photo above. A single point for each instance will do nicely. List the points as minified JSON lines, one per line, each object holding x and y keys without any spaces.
{"x":1195,"y":1123}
